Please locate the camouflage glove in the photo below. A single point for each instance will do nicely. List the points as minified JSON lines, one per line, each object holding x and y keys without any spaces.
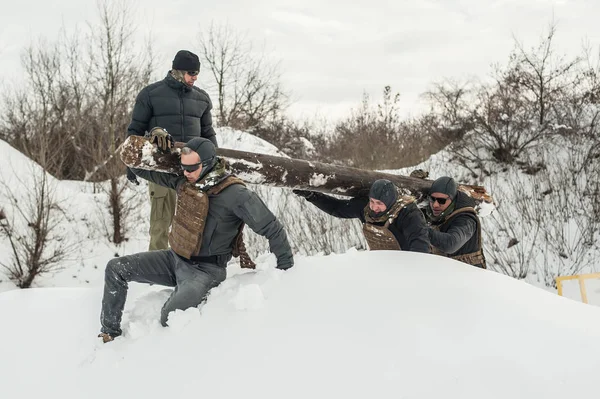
{"x":132,"y":177}
{"x":161,"y":138}
{"x":419,"y":174}
{"x":304,"y":193}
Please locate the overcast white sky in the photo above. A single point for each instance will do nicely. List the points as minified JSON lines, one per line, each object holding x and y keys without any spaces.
{"x":332,"y":50}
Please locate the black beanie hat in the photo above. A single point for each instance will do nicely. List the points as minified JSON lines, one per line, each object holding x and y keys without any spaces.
{"x":445,"y":185}
{"x":186,"y":61}
{"x":205,"y":149}
{"x":384,"y":191}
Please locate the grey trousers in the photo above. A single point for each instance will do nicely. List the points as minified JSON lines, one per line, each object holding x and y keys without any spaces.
{"x":192,"y":281}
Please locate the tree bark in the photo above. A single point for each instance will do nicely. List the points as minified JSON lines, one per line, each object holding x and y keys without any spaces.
{"x":270,"y":170}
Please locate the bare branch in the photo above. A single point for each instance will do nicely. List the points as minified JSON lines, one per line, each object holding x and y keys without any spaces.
{"x":249,"y":92}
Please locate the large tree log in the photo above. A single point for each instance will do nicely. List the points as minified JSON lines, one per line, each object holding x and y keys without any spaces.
{"x":270,"y":170}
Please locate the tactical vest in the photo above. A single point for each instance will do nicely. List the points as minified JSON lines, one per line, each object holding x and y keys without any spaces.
{"x":381,"y":238}
{"x":187,"y":229}
{"x":476,"y":258}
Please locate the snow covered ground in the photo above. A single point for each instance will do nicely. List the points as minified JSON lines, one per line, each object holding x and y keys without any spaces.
{"x":356,"y":325}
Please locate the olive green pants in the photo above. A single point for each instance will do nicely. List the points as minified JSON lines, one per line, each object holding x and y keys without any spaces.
{"x":162,"y":209}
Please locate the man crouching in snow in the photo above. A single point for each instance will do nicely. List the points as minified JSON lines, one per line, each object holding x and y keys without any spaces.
{"x":212,"y":208}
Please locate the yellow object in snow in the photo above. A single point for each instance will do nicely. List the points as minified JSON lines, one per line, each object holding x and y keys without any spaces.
{"x":581,"y":278}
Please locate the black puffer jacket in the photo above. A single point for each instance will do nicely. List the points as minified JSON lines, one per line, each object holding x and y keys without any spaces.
{"x":182,"y":110}
{"x":409,"y":228}
{"x":457,"y":234}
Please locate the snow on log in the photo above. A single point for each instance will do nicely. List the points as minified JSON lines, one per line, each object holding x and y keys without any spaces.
{"x":270,"y":170}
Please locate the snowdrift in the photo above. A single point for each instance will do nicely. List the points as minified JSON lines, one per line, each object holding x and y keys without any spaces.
{"x":362,"y":324}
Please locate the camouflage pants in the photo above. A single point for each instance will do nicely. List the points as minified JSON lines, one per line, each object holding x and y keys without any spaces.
{"x":192,"y":282}
{"x":162,"y":209}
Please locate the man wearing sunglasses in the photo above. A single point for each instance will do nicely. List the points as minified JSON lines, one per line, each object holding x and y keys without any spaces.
{"x":212,"y":208}
{"x":455,"y":229}
{"x":391,"y":221}
{"x":182,"y":110}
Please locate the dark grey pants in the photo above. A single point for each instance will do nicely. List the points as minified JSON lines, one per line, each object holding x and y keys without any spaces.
{"x":192,"y":281}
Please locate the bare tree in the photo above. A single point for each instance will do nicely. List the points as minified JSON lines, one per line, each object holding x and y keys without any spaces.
{"x":75,"y":107}
{"x":544,"y":74}
{"x":248,"y":86}
{"x":375,"y":137}
{"x":37,"y":244}
{"x":118,"y":71}
{"x":34,"y":114}
{"x":450,"y":100}
{"x":521,"y":108}
{"x":556,"y":232}
{"x":316,"y":233}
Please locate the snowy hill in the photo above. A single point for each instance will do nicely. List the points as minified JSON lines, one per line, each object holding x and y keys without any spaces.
{"x":83,"y":211}
{"x":555,"y":233}
{"x":357,"y":325}
{"x":353,"y":325}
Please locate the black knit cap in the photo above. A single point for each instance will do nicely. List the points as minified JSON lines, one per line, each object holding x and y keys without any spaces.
{"x":445,"y":185}
{"x":384,"y":191}
{"x":186,"y":61}
{"x":206,"y":149}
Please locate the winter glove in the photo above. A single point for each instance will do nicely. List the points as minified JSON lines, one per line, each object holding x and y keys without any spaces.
{"x":161,"y":138}
{"x":419,"y":174}
{"x":304,"y":193}
{"x":132,"y":177}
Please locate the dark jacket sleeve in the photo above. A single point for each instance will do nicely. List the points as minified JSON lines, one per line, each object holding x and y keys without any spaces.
{"x":141,"y":115}
{"x":163,"y":179}
{"x":345,"y":209}
{"x":460,"y":231}
{"x":253,"y":211}
{"x":414,"y":230}
{"x":207,"y":130}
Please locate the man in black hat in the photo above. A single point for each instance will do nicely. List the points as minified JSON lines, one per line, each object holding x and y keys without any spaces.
{"x":391,"y":221}
{"x":184,"y":111}
{"x":455,"y":229}
{"x":212,"y":208}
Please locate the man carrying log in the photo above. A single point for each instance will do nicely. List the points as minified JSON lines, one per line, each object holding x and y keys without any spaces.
{"x":391,"y":221}
{"x":212,"y":208}
{"x":455,"y":229}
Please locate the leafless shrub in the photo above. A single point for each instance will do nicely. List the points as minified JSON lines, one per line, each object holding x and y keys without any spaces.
{"x":549,"y":214}
{"x":298,"y":140}
{"x":34,"y":233}
{"x":248,"y":86}
{"x":375,"y":137}
{"x":74,"y":109}
{"x":315,"y":233}
{"x":523,"y":106}
{"x":515,"y":194}
{"x":124,"y":203}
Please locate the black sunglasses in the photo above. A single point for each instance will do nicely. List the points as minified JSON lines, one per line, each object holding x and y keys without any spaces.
{"x":440,"y":201}
{"x":193,"y":73}
{"x":191,"y":168}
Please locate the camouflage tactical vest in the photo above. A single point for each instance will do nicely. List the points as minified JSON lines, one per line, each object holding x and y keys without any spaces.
{"x":380,"y":238}
{"x":476,"y":258}
{"x":187,"y":229}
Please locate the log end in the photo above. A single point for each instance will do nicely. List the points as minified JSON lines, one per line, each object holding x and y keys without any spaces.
{"x":138,"y":152}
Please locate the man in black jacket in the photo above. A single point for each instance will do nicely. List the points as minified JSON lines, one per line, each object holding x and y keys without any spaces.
{"x":212,"y":208}
{"x":390,"y":221}
{"x":455,"y":229}
{"x":184,"y":111}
